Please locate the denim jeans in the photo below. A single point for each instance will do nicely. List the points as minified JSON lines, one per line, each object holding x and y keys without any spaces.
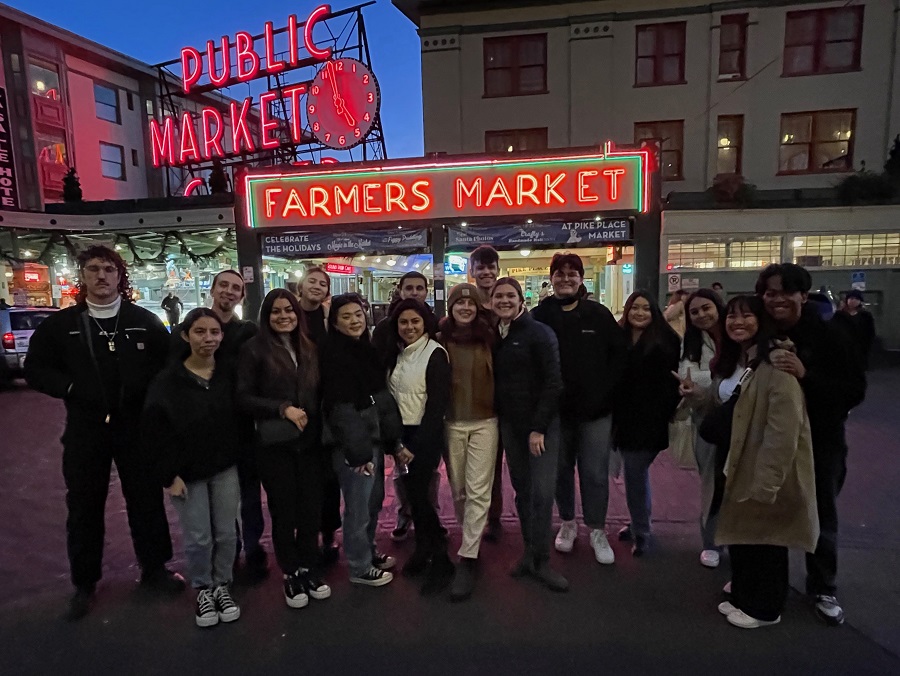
{"x":363,"y":496}
{"x":705,"y":454}
{"x":534,"y":480}
{"x":636,"y":465}
{"x":207,"y":514}
{"x":586,"y":444}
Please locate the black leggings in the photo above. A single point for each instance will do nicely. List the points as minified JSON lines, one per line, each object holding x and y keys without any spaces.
{"x":429,"y":536}
{"x":759,"y":580}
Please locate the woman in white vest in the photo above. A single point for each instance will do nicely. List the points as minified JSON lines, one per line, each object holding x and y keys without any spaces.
{"x":420,"y":382}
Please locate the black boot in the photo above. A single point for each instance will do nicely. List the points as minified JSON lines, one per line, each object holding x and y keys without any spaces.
{"x":440,"y":574}
{"x":417,"y":563}
{"x":80,"y":604}
{"x":463,"y":580}
{"x":549,"y":577}
{"x":162,"y":581}
{"x":525,"y":566}
{"x":257,"y":565}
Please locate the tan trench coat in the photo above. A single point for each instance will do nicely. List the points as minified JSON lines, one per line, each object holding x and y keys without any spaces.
{"x":770,"y":494}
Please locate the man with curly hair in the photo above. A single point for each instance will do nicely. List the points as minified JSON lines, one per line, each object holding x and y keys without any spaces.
{"x":99,"y":357}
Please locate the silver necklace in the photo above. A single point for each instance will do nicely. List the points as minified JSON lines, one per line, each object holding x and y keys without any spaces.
{"x":110,"y":337}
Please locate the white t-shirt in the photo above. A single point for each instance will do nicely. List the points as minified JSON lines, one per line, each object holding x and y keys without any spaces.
{"x":726,"y":387}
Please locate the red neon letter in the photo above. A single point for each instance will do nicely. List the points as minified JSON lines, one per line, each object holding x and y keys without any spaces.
{"x":240,"y":132}
{"x":266,"y":123}
{"x":315,"y":16}
{"x":219,"y":80}
{"x":391,"y":187}
{"x":295,"y":93}
{"x":318,"y":199}
{"x":348,"y":198}
{"x":583,"y":196}
{"x":426,"y":200}
{"x":613,"y":175}
{"x":550,"y":188}
{"x":191,"y":67}
{"x":163,"y":142}
{"x":499,"y":191}
{"x":192,"y":185}
{"x":270,"y":202}
{"x":522,"y":193}
{"x":272,"y":64}
{"x":293,"y":203}
{"x":188,"y":139}
{"x":245,"y":55}
{"x":293,"y":47}
{"x":212,"y":141}
{"x":462,"y":191}
{"x":368,"y":198}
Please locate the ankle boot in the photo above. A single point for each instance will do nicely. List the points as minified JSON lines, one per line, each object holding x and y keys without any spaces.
{"x":463,"y":580}
{"x":549,"y":577}
{"x":417,"y":563}
{"x":439,"y":576}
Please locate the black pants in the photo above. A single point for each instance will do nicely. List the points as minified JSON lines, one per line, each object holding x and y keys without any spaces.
{"x":252,"y":522}
{"x":759,"y":580}
{"x":293,"y":483}
{"x":831,"y":469}
{"x":429,"y":537}
{"x":331,"y":502}
{"x":89,"y":449}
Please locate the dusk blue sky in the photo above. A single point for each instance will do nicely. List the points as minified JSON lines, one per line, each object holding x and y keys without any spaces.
{"x":156,"y":31}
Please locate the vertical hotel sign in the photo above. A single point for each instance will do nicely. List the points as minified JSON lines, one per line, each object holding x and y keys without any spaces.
{"x":9,"y":196}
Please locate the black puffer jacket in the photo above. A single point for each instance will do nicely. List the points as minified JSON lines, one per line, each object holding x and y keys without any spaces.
{"x":527,"y":379}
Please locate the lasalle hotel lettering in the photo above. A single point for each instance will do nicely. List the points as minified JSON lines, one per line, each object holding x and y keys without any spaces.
{"x":9,"y":198}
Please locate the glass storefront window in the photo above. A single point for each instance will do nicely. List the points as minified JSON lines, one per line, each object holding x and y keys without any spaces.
{"x":827,"y":251}
{"x":723,"y":254}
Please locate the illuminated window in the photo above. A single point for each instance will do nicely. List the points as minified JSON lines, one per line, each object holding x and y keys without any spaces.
{"x":823,"y":41}
{"x":671,"y":136}
{"x":44,"y":80}
{"x":512,"y":140}
{"x":112,"y":161}
{"x":515,"y":65}
{"x":817,"y":142}
{"x":733,"y":47}
{"x":834,"y":251}
{"x":106,"y":103}
{"x":660,"y":54}
{"x":730,"y":144}
{"x":51,"y":147}
{"x":723,"y":254}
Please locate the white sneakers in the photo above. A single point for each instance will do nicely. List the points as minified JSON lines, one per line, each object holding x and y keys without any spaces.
{"x":602,"y":551}
{"x":710,"y":558}
{"x":565,"y":538}
{"x":741,"y":619}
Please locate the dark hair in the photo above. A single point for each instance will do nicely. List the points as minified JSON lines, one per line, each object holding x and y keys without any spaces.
{"x":730,"y":352}
{"x":485,"y":254}
{"x":794,"y":278}
{"x":196,"y":315}
{"x":305,"y":349}
{"x":693,"y":337}
{"x":106,"y":254}
{"x":481,"y":330}
{"x":715,"y":284}
{"x":230,"y":272}
{"x":657,"y":333}
{"x":511,"y":281}
{"x":346,"y":299}
{"x":412,"y":275}
{"x":427,"y":318}
{"x":569,"y":260}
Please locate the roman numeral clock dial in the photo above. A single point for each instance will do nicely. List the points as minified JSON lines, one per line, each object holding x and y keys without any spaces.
{"x":343,"y":103}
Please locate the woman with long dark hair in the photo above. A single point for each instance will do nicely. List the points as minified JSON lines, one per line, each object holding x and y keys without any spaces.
{"x":363,"y":423}
{"x":705,"y":328}
{"x":190,"y":422}
{"x":419,"y":380}
{"x":768,"y":503}
{"x":473,"y":433}
{"x":278,"y":382}
{"x":645,"y":402}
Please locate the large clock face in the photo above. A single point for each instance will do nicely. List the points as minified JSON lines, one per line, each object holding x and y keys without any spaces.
{"x":342,"y":103}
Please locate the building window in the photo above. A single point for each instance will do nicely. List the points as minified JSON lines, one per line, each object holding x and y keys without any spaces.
{"x":832,"y":251}
{"x":106,"y":103}
{"x":129,"y":99}
{"x":670,"y":136}
{"x":817,"y":142}
{"x":823,"y":41}
{"x":515,"y":65}
{"x":730,"y":144}
{"x":723,"y":254}
{"x":512,"y":140}
{"x":134,"y":157}
{"x":149,"y":106}
{"x":733,"y":47}
{"x":112,"y":161}
{"x":660,"y":54}
{"x":44,"y":81}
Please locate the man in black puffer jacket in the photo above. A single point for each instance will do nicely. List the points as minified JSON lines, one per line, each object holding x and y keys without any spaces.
{"x":592,"y":356}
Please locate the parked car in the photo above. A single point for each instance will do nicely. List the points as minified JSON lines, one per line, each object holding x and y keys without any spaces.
{"x":16,"y":326}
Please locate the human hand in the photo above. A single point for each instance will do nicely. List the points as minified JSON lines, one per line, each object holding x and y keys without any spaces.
{"x":686,"y":386}
{"x":297,"y":416}
{"x":788,"y":362}
{"x":178,"y":489}
{"x":404,"y":456}
{"x":536,"y":444}
{"x":365,"y":470}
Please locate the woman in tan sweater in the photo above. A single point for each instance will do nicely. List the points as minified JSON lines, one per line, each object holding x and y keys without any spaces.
{"x":472,"y":432}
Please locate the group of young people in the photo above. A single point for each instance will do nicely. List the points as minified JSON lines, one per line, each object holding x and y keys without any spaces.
{"x":310,"y":403}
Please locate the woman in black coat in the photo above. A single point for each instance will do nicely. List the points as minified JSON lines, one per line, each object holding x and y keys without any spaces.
{"x":645,"y":402}
{"x":277,"y":384}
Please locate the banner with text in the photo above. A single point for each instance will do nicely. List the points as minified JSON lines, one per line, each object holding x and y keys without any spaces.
{"x":314,"y":243}
{"x":9,"y":195}
{"x":567,"y":232}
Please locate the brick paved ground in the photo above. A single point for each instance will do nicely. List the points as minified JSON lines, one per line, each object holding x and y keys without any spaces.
{"x":656,"y":615}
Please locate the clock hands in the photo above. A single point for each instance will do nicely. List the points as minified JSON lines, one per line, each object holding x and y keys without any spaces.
{"x":336,"y":97}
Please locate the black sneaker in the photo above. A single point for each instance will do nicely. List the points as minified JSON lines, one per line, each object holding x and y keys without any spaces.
{"x":625,"y":534}
{"x":295,"y":592}
{"x":162,"y":581}
{"x":829,"y":610}
{"x":206,"y":614}
{"x":374,"y":577}
{"x":227,"y":609}
{"x":315,"y":588}
{"x":80,"y":604}
{"x":383,"y":561}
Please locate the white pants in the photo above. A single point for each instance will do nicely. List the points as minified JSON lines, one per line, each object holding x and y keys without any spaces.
{"x":472,"y":458}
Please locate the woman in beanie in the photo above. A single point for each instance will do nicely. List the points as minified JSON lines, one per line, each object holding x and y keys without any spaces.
{"x":527,"y":388}
{"x":472,"y":430}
